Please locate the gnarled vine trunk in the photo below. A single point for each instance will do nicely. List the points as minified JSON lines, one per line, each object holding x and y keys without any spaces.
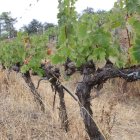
{"x":53,"y":75}
{"x":37,"y":97}
{"x":83,"y":92}
{"x":62,"y":110}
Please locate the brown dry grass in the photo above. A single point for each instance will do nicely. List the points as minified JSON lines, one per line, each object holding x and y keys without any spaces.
{"x":21,"y":119}
{"x":116,"y":111}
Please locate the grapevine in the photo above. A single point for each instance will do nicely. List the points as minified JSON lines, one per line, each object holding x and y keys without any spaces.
{"x":88,"y":43}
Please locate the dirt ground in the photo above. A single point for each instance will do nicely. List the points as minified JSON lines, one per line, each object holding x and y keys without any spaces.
{"x":116,"y":111}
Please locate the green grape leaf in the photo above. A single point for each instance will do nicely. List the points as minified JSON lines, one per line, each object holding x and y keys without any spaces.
{"x":24,"y":68}
{"x":57,"y":59}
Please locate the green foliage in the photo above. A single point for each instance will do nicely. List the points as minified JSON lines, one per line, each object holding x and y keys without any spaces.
{"x":133,"y":6}
{"x":135,"y":50}
{"x":33,"y":27}
{"x":47,"y":26}
{"x":92,"y":36}
{"x":7,"y":25}
{"x":88,"y":37}
{"x":17,"y":51}
{"x":11,"y":53}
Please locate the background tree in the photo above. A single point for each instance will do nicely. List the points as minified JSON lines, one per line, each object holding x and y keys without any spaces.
{"x":46,"y":26}
{"x":33,"y":27}
{"x":7,"y":24}
{"x":88,"y":10}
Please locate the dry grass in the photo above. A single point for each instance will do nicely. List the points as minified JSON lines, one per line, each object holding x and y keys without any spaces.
{"x":116,"y":111}
{"x":21,"y":119}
